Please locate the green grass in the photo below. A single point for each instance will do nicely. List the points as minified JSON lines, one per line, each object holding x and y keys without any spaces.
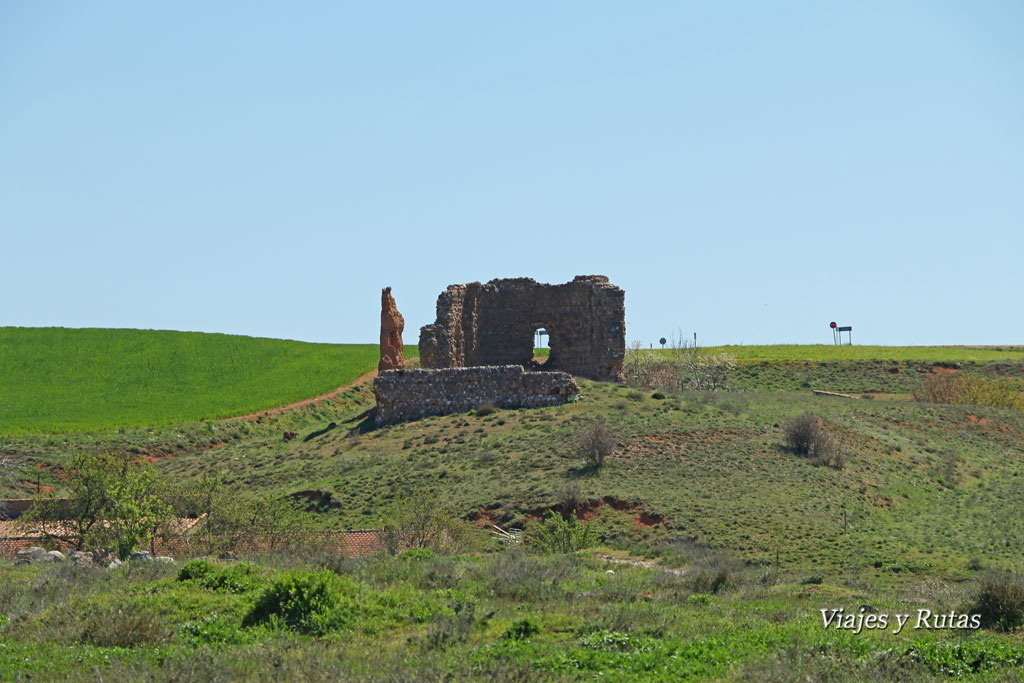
{"x":60,"y":380}
{"x":486,"y":616}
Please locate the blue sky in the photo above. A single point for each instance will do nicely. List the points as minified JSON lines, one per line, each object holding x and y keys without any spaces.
{"x":748,"y":171}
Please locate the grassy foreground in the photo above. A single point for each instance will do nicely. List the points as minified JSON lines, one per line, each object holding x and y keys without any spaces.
{"x":504,"y":616}
{"x":60,"y":380}
{"x":720,"y":545}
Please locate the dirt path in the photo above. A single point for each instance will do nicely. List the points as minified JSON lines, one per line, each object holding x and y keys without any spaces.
{"x":635,"y":562}
{"x":302,"y":404}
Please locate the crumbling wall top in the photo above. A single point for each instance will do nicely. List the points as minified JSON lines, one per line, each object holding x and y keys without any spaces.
{"x":494,"y":324}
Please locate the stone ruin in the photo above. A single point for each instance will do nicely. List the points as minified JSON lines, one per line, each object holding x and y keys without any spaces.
{"x":392,"y":351}
{"x":479,"y":351}
{"x":494,"y":324}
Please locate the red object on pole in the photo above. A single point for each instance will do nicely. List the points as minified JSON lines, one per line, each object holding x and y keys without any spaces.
{"x":832,"y":325}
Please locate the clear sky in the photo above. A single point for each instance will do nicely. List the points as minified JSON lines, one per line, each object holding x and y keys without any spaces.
{"x":746,"y":170}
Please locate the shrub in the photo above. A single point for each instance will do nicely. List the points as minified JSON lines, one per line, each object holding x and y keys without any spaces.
{"x":521,"y":629}
{"x":421,"y":521}
{"x":308,"y":602}
{"x":450,"y":630}
{"x":237,"y":578}
{"x":216,"y":629}
{"x":555,"y":534}
{"x":970,"y":390}
{"x":195,"y":569}
{"x":802,"y":431}
{"x":596,"y":444}
{"x":806,"y":435}
{"x":1000,"y":601}
{"x":569,"y":498}
{"x":711,"y":579}
{"x":484,"y":410}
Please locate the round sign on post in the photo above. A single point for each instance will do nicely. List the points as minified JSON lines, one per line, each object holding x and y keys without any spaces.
{"x":832,"y":325}
{"x":662,"y":342}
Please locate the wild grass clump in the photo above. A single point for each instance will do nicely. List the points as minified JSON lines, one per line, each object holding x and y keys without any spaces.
{"x":122,"y":626}
{"x":1000,"y":601}
{"x":807,"y":436}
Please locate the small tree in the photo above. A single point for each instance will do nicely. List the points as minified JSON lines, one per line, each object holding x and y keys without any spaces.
{"x":699,"y":370}
{"x":112,"y":503}
{"x":233,"y":522}
{"x":422,"y":521}
{"x":7,"y":469}
{"x":90,"y":481}
{"x":138,"y":511}
{"x":596,"y":443}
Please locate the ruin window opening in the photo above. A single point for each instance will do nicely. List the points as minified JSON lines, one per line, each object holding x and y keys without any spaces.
{"x":542,"y":350}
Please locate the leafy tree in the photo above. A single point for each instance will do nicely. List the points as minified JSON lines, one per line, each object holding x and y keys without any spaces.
{"x":90,"y":480}
{"x":112,"y":502}
{"x":138,"y":511}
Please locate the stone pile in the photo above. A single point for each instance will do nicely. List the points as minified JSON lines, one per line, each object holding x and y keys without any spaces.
{"x":83,"y":558}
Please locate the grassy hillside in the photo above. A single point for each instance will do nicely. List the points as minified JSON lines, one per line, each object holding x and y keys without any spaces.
{"x":720,"y":544}
{"x":926,"y":488}
{"x":59,"y":380}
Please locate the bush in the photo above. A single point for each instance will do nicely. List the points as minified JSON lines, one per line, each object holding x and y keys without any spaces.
{"x":596,"y":444}
{"x":521,"y":629}
{"x":237,"y":578}
{"x":484,"y":410}
{"x":195,"y":569}
{"x":569,"y":498}
{"x":216,"y":629}
{"x":555,"y":534}
{"x":802,"y":431}
{"x":1000,"y":601}
{"x":450,"y":630}
{"x":970,"y":390}
{"x":421,"y":521}
{"x":308,"y":602}
{"x":806,"y":435}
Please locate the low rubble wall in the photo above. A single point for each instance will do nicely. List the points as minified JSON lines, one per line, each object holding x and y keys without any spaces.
{"x":404,"y":395}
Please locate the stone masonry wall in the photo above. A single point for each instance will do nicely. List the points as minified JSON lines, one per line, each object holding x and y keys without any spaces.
{"x":494,"y":324}
{"x":404,"y":395}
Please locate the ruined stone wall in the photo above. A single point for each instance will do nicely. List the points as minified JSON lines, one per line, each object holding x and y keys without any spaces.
{"x":412,"y":394}
{"x":494,"y":324}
